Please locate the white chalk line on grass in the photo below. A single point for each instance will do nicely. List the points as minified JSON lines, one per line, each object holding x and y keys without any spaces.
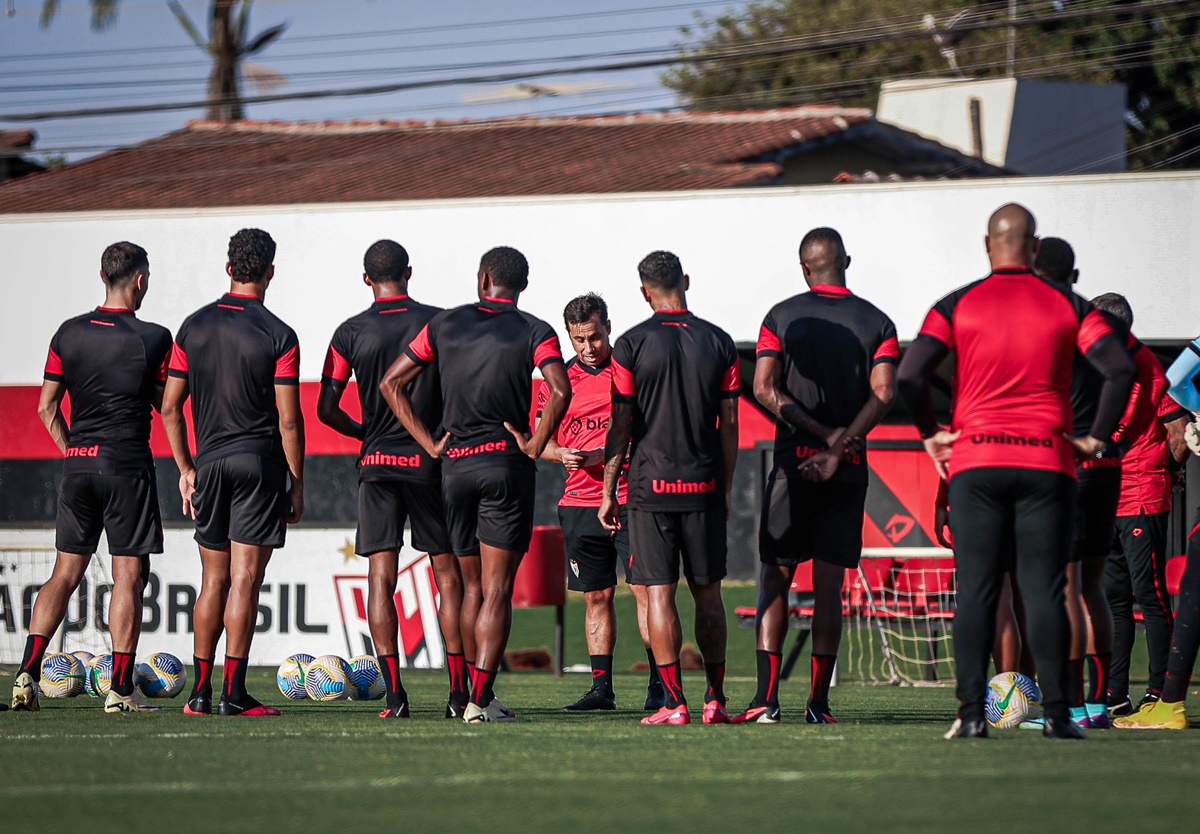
{"x":291,"y":787}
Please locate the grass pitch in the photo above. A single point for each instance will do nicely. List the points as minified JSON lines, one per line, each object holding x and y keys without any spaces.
{"x":324,"y":767}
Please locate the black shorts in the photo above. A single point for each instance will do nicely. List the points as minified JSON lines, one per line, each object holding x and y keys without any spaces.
{"x":241,"y":498}
{"x":592,"y":551}
{"x":385,"y":506}
{"x":125,"y":507}
{"x":492,"y":505}
{"x":803,"y":520}
{"x":661,"y":540}
{"x":1095,"y":510}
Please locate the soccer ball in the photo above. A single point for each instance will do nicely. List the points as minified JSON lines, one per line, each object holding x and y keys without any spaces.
{"x":85,"y":657}
{"x":98,"y":680}
{"x":290,"y":677}
{"x":161,"y":675}
{"x":325,"y":678}
{"x":366,"y":679}
{"x":62,"y":676}
{"x":1011,"y":699}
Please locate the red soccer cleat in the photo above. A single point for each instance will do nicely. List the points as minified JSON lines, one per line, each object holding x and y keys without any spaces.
{"x":757,"y":715}
{"x":715,"y":713}
{"x":670,"y":715}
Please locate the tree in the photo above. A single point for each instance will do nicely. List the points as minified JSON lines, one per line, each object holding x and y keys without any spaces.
{"x":787,"y":52}
{"x":228,"y":42}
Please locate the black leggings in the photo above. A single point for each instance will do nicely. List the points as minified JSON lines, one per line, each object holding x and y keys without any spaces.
{"x":1137,"y":569}
{"x":1186,"y":638}
{"x":1035,"y":509}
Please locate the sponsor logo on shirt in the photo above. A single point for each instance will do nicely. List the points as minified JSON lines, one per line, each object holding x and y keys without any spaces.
{"x":681,"y":487}
{"x":83,"y":451}
{"x":806,"y":452}
{"x":1003,"y":439}
{"x":466,"y":451}
{"x":380,"y":459}
{"x":579,"y":424}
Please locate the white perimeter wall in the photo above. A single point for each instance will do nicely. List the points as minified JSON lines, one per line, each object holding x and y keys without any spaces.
{"x":911,"y":243}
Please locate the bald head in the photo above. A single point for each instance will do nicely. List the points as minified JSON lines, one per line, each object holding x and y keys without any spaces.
{"x":1011,"y":236}
{"x":824,"y":258}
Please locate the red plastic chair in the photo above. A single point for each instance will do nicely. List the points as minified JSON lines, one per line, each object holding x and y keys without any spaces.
{"x":541,"y":582}
{"x":1175,"y":568}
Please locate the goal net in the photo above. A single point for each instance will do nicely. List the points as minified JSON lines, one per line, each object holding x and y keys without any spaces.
{"x":23,"y":569}
{"x":898,"y":610}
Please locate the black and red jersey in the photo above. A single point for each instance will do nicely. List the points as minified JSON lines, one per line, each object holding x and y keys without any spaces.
{"x":110,"y":362}
{"x":829,"y":340}
{"x":1145,"y":481}
{"x":1014,"y":337}
{"x":233,"y":353}
{"x":1086,"y":383}
{"x":366,"y":346}
{"x":485,"y":354}
{"x":585,"y":427}
{"x":675,"y":369}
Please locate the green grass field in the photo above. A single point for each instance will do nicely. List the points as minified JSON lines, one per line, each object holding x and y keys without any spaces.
{"x":324,"y":767}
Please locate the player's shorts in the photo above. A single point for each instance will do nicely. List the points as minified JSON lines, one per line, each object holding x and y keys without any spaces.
{"x":803,"y":520}
{"x":125,"y":507}
{"x":492,"y":505}
{"x":1095,"y":510}
{"x":661,"y":541}
{"x":383,"y":508}
{"x":592,"y":552}
{"x":241,"y":498}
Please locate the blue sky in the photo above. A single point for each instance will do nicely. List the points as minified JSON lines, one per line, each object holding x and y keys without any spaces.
{"x":147,"y":58}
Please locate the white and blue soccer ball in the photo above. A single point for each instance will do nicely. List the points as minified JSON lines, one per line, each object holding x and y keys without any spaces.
{"x":366,"y":679}
{"x":1011,"y":698}
{"x":62,"y":676}
{"x":290,"y":677}
{"x":99,"y":676}
{"x":85,"y":657}
{"x":161,"y":675}
{"x":326,"y":678}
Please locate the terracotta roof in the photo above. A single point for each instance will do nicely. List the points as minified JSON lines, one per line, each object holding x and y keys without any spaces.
{"x":263,"y":163}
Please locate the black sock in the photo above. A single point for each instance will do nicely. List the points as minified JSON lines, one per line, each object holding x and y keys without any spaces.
{"x":1075,"y":682}
{"x":389,"y":665}
{"x":602,"y":672}
{"x":655,"y":678}
{"x":234,"y":682}
{"x":481,"y":686}
{"x":35,"y":652}
{"x":122,"y":673}
{"x":714,"y":674}
{"x":1098,"y":673}
{"x":460,"y":679}
{"x":202,"y":684}
{"x":769,"y":664}
{"x":822,"y":678}
{"x":672,"y":683}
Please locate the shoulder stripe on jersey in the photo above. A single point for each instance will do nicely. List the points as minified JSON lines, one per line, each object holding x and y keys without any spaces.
{"x":287,"y":367}
{"x":420,"y":349}
{"x":1092,"y":329}
{"x":179,"y":362}
{"x":888,"y":351}
{"x":938,"y":327}
{"x":622,"y":381}
{"x":337,"y":367}
{"x":731,"y":381}
{"x":160,"y":375}
{"x":54,"y":366}
{"x":548,"y":351}
{"x":768,"y":343}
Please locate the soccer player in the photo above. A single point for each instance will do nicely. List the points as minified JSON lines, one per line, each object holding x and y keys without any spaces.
{"x":113,"y":366}
{"x":592,"y":551}
{"x":1010,"y":456}
{"x":1137,"y":567}
{"x":675,"y":395}
{"x":826,"y":369}
{"x":1099,"y":488}
{"x":241,"y":366}
{"x":397,"y":479}
{"x":485,"y":354}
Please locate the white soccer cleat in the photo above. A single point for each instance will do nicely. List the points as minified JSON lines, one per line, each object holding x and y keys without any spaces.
{"x":495,"y":712}
{"x":25,"y":694}
{"x":128,"y":703}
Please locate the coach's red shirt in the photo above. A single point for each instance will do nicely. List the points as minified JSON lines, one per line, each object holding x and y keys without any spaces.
{"x":485,"y":354}
{"x":828,"y":340}
{"x":585,"y":427}
{"x":675,"y":368}
{"x":1014,"y":338}
{"x":1145,"y":481}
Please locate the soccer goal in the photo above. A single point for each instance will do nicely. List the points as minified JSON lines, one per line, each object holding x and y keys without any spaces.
{"x":23,"y":569}
{"x":898,"y":609}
